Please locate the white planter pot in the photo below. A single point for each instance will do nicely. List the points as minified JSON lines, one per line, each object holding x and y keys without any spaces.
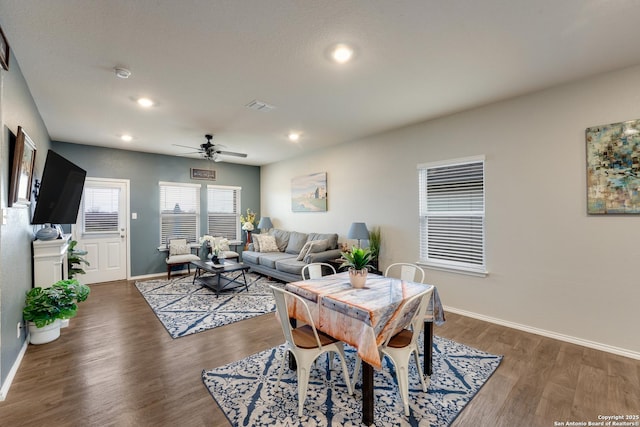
{"x":44,"y":335}
{"x":358,"y":277}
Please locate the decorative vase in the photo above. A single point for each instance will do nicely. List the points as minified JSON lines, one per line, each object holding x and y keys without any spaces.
{"x":46,"y":334}
{"x":358,"y":277}
{"x":214,"y":259}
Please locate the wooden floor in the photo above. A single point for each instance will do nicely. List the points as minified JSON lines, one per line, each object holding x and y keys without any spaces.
{"x":116,"y":365}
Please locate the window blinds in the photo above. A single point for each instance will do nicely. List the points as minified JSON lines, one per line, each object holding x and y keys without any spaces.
{"x":223,"y":211}
{"x":179,"y":211}
{"x":452,"y":215}
{"x":100,"y":207}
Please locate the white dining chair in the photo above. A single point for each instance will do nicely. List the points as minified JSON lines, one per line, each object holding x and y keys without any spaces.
{"x":305,"y":343}
{"x":315,"y":270}
{"x":401,"y":346}
{"x":405,"y":271}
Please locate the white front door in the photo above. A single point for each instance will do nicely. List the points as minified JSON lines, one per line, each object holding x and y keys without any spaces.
{"x":102,"y":229}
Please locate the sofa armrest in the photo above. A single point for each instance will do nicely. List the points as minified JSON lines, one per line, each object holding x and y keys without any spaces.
{"x":322,"y":256}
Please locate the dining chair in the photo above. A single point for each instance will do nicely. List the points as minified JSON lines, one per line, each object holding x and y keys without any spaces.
{"x":315,"y":270}
{"x":405,"y":271}
{"x":402,"y":345}
{"x":305,"y":343}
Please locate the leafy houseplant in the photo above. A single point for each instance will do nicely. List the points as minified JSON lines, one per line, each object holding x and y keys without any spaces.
{"x":374,"y":245}
{"x":358,"y":261}
{"x":45,"y":306}
{"x":75,"y":259}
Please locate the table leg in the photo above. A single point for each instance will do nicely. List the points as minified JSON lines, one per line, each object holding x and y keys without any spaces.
{"x":367,"y":394}
{"x":428,"y":346}
{"x":292,"y":360}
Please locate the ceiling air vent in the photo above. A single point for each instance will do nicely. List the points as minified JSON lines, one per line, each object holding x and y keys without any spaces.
{"x":259,"y":106}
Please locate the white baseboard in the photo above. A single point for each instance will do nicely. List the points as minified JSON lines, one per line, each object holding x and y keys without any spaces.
{"x":4,"y":390}
{"x":148,"y":276}
{"x":579,"y":341}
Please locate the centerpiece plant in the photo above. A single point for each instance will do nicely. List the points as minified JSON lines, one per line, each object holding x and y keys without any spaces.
{"x":217,"y":245}
{"x":358,"y":260}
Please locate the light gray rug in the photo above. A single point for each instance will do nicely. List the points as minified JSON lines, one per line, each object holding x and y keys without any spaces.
{"x":185,"y":308}
{"x":246,"y":390}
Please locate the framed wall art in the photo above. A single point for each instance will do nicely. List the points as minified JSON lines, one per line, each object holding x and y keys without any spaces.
{"x":309,"y":193}
{"x":613,"y":168}
{"x":24,"y":157}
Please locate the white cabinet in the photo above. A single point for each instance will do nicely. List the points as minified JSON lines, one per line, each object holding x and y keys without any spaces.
{"x":50,"y":261}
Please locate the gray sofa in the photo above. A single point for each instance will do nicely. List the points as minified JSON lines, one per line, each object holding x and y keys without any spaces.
{"x":284,"y":264}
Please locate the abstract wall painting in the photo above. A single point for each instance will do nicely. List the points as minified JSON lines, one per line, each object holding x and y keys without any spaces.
{"x":613,"y":168}
{"x":309,"y":193}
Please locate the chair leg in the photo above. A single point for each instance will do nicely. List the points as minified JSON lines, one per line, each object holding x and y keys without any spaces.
{"x":356,"y":371}
{"x":168,"y":271}
{"x":303,"y":384}
{"x":420,"y":373}
{"x":345,"y":372}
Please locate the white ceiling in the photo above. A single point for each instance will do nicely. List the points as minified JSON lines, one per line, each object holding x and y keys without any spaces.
{"x":204,"y":60}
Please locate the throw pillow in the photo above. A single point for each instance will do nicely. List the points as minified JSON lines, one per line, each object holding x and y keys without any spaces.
{"x":224,"y":247}
{"x":318,"y":246}
{"x":256,"y":242}
{"x":268,"y":244}
{"x":304,"y":251}
{"x":179,"y":247}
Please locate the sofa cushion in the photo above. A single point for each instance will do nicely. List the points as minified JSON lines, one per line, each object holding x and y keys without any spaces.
{"x":290,"y":265}
{"x":256,"y":242}
{"x":268,"y":244}
{"x":296,"y":242}
{"x":331,"y":237}
{"x":179,"y":247}
{"x":252,"y":257}
{"x":269,"y":259}
{"x":282,"y":238}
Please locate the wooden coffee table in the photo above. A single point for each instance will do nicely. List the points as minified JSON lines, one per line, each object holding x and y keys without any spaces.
{"x":223,"y":276}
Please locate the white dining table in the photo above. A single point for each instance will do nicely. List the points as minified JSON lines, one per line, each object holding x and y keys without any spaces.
{"x":360,"y":317}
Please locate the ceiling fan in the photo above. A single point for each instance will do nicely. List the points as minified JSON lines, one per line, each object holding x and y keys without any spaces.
{"x":211,"y":151}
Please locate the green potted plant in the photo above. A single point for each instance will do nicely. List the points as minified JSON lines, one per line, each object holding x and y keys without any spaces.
{"x":359,"y":263}
{"x":374,"y":245}
{"x":75,"y":259}
{"x":46,"y":307}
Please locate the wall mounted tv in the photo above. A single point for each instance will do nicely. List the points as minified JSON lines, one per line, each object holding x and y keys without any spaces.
{"x":60,"y":191}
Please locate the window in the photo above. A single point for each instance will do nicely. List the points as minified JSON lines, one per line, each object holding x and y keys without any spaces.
{"x":100,"y":207}
{"x":223,"y":211}
{"x":179,"y":211}
{"x":452,"y":215}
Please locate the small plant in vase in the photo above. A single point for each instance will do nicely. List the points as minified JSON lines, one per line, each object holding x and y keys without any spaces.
{"x":359,"y":263}
{"x":216,"y":245}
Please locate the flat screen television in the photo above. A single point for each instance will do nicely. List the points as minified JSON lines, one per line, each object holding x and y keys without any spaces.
{"x":60,"y":191}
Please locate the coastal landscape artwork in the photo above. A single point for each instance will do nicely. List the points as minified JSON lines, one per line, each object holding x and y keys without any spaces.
{"x":309,"y":193}
{"x":613,"y":168}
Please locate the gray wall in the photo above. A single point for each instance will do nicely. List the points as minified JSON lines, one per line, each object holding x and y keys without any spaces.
{"x":17,"y":108}
{"x":145,"y":170}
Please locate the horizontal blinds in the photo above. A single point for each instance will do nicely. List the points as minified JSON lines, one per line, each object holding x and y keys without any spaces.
{"x":223,"y":211}
{"x":100,"y":207}
{"x":179,"y":211}
{"x":452,"y":214}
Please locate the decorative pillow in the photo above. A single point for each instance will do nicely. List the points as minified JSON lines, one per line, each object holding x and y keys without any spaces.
{"x":225,"y":246}
{"x":256,"y":242}
{"x":318,"y":246}
{"x":179,"y":247}
{"x":268,"y":244}
{"x":304,"y":251}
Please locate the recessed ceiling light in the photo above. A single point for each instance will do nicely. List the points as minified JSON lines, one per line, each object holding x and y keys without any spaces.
{"x":145,"y":102}
{"x":126,"y":138}
{"x":342,"y":53}
{"x":122,"y":73}
{"x":294,"y":136}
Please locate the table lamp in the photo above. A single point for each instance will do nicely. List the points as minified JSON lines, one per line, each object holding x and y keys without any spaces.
{"x":265,"y":224}
{"x":358,"y":230}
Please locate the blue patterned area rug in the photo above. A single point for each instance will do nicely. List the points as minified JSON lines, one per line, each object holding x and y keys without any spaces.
{"x":185,"y":308}
{"x":246,"y":390}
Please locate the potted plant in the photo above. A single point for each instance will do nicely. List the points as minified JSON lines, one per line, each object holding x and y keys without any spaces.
{"x":46,"y":307}
{"x":75,"y":259}
{"x":358,"y":261}
{"x":374,"y":245}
